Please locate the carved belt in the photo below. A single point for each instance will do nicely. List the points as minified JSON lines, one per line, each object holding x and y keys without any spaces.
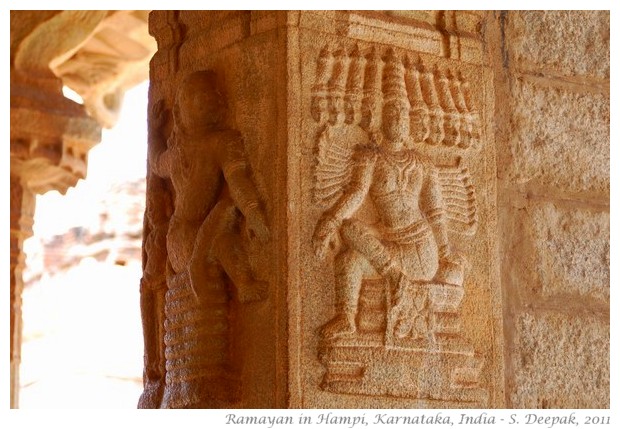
{"x":415,"y":233}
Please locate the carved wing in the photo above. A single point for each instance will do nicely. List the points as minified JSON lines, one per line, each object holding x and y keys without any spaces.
{"x":334,"y":165}
{"x":460,"y":199}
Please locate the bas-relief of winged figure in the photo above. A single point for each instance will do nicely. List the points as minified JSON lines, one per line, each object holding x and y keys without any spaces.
{"x":416,"y":202}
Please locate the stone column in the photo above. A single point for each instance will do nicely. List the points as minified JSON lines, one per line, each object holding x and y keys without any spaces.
{"x":22,"y":210}
{"x":321,"y":189}
{"x":50,"y":139}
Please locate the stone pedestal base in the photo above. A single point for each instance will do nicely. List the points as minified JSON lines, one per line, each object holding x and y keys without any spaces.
{"x":406,"y":346}
{"x":362,"y":365}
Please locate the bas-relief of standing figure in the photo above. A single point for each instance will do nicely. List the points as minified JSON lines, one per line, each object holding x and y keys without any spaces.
{"x":152,"y":294}
{"x":214,"y":197}
{"x":153,"y":283}
{"x":207,"y":166}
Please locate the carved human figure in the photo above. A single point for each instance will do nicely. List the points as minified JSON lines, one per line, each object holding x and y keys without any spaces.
{"x":153,"y":283}
{"x":409,"y":243}
{"x":152,"y":291}
{"x":215,"y":203}
{"x":207,"y":166}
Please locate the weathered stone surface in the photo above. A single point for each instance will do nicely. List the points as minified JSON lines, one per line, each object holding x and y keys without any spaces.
{"x":100,"y":55}
{"x":572,"y":250}
{"x":382,"y":250}
{"x":569,"y":42}
{"x":370,"y":155}
{"x":21,"y":214}
{"x":559,"y":139}
{"x":552,"y":113}
{"x":208,"y":236}
{"x":562,"y":361}
{"x":317,"y":104}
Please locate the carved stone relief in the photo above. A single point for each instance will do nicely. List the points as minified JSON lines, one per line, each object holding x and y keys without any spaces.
{"x":215,"y":211}
{"x":390,"y":215}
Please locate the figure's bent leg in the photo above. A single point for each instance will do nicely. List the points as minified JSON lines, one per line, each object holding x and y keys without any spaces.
{"x":351,"y":268}
{"x":180,"y":242}
{"x":218,"y":242}
{"x":152,"y":303}
{"x":203,"y":270}
{"x":359,"y":237}
{"x":234,"y":260}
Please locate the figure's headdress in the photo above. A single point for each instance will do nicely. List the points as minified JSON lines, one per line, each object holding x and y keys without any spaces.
{"x":393,"y":85}
{"x":205,"y":82}
{"x":338,"y":81}
{"x":323,"y":71}
{"x":355,"y":80}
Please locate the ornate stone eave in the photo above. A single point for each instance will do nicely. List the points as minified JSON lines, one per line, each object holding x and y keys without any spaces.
{"x":114,"y":59}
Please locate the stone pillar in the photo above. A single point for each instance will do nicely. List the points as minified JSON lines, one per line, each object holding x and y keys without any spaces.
{"x":50,"y":138}
{"x":22,"y":210}
{"x":321,"y":187}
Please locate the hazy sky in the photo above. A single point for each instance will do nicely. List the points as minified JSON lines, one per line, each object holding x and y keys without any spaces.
{"x":121,"y":156}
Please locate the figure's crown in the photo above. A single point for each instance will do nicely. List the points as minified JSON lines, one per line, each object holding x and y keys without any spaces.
{"x":393,"y":85}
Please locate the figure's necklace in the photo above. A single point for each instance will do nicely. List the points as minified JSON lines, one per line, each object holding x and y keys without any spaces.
{"x":403,"y":161}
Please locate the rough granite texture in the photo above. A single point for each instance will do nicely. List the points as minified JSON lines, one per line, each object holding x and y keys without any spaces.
{"x":321,"y":107}
{"x":562,"y":361}
{"x":553,"y":113}
{"x":572,"y":249}
{"x":539,"y":39}
{"x":320,"y":104}
{"x":560,"y":139}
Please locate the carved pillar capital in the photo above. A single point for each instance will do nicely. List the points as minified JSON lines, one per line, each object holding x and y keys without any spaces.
{"x":111,"y":61}
{"x":50,"y":136}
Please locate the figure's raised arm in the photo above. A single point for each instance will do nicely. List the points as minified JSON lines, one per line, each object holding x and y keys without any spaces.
{"x":433,"y":206}
{"x":160,"y":138}
{"x":242,"y":188}
{"x":351,"y":199}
